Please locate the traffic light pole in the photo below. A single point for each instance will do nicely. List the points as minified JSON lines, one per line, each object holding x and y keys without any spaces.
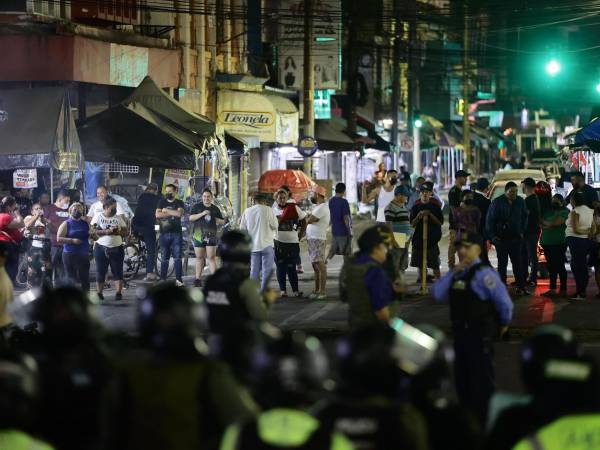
{"x":309,"y":80}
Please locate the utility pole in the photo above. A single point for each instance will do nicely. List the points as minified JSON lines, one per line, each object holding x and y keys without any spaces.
{"x":466,"y":125}
{"x":396,"y":83}
{"x":309,"y":79}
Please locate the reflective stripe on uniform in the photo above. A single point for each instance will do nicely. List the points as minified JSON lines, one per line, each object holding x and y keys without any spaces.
{"x":577,"y":432}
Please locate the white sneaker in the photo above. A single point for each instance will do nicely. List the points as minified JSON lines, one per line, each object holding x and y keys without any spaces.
{"x":178,"y":283}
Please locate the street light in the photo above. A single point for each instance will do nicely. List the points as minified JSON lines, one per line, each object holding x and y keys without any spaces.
{"x":598,"y":88}
{"x":418,"y":123}
{"x":552,"y":67}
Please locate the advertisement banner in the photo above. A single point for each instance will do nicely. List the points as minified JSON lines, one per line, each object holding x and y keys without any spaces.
{"x":25,"y":179}
{"x":181,"y":179}
{"x":326,"y":44}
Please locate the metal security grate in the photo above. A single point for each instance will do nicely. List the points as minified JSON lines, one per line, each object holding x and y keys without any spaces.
{"x":118,"y":167}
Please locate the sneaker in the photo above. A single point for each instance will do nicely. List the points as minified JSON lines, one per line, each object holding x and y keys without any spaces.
{"x":178,"y":283}
{"x":320,"y":297}
{"x":522,"y":292}
{"x":532,"y":283}
{"x":283,"y":294}
{"x":577,"y":296}
{"x":298,"y":294}
{"x":100,"y":295}
{"x":150,"y":277}
{"x":197,"y":282}
{"x":118,"y":296}
{"x":299,"y":269}
{"x":313,"y":295}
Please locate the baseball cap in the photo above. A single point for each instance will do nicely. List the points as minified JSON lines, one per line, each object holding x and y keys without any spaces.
{"x":467,"y":238}
{"x":529,"y":182}
{"x":402,"y":190}
{"x":427,"y":186}
{"x":462,"y":173}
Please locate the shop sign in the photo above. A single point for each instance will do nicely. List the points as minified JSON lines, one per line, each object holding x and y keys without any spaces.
{"x":67,"y":161}
{"x":181,"y":179}
{"x":308,"y":146}
{"x":25,"y":179}
{"x":249,"y":119}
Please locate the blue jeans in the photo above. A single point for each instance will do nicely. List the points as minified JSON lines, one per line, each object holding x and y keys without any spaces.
{"x":170,"y":244}
{"x":149,"y":236}
{"x":580,"y":250}
{"x":262,"y":260}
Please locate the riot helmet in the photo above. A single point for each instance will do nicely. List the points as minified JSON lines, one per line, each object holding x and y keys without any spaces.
{"x":235,"y":246}
{"x":19,"y":390}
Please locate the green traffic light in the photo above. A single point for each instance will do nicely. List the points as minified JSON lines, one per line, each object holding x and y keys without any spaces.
{"x":553,"y":67}
{"x":418,"y":123}
{"x":598,"y":88}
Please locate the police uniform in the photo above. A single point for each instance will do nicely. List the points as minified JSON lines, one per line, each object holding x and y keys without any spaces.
{"x":479,"y":304}
{"x":576,"y":432}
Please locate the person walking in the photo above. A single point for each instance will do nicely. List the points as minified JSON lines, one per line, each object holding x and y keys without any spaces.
{"x":505,"y":225}
{"x":261,"y":224}
{"x":291,"y":227}
{"x":384,"y":194}
{"x":341,"y":223}
{"x":579,"y":224}
{"x":426,"y":208}
{"x":169,"y":212}
{"x":56,"y":214}
{"x":316,"y":236}
{"x":109,"y":230}
{"x":397,"y":217}
{"x":205,"y":217}
{"x":38,"y":256}
{"x":480,"y":310}
{"x":11,"y":223}
{"x":74,"y":234}
{"x":454,"y":198}
{"x":532,"y":232}
{"x":553,"y":242}
{"x":144,"y":220}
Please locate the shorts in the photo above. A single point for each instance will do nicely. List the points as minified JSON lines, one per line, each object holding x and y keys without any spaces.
{"x":341,"y":245}
{"x":206,"y":242}
{"x":109,"y":256}
{"x":433,"y":257}
{"x":316,"y":250}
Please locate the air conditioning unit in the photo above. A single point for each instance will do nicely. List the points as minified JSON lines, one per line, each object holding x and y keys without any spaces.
{"x":98,"y":11}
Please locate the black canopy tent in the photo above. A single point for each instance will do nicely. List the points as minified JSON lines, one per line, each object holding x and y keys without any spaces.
{"x":148,"y":128}
{"x":37,"y":129}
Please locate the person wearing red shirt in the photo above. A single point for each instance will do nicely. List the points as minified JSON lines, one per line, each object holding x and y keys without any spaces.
{"x":11,"y":223}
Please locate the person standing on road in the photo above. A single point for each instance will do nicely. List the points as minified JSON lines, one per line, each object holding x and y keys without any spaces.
{"x":74,"y":234}
{"x":169,"y":212}
{"x":532,"y":231}
{"x":11,"y":223}
{"x":467,"y":216}
{"x":579,"y":224}
{"x":553,"y":241}
{"x":505,"y":225}
{"x":109,"y":230}
{"x":415,"y":195}
{"x":454,"y":198}
{"x":482,"y":202}
{"x":144,"y":220}
{"x":383,"y":193}
{"x":291,"y":228}
{"x":426,"y":208}
{"x":397,"y":217}
{"x":205,"y":217}
{"x":364,"y":285}
{"x":341,"y":223}
{"x":261,"y":224}
{"x":38,"y":256}
{"x":56,"y":214}
{"x":590,"y":196}
{"x":479,"y":306}
{"x":316,"y":235}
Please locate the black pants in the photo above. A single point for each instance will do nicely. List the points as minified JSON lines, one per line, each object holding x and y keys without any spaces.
{"x":510,"y":248}
{"x":530,"y":256}
{"x":38,"y":259}
{"x":56,"y":262}
{"x":556,"y":260}
{"x":286,"y":258}
{"x":12,"y":262}
{"x":77,"y":269}
{"x":580,"y":251}
{"x":474,"y":370}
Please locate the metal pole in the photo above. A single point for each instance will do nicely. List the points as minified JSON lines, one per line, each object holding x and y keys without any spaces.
{"x":466,"y":128}
{"x":416,"y":150}
{"x":309,"y":79}
{"x":424,"y":254}
{"x":396,"y":84}
{"x":150,"y":176}
{"x":51,"y":184}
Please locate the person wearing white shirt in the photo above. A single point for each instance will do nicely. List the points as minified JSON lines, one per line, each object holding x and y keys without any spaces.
{"x":316,"y":235}
{"x":579,"y":224}
{"x":97,"y":208}
{"x":261,"y":224}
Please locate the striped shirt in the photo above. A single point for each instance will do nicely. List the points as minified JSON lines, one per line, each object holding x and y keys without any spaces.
{"x":399,"y":217}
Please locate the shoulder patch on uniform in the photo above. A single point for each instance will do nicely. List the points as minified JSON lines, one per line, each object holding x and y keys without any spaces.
{"x":489,"y":281}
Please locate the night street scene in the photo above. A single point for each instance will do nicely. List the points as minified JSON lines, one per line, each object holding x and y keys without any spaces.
{"x":299,"y":225}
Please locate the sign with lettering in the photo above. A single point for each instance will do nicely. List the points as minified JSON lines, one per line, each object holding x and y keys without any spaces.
{"x":308,"y":146}
{"x":251,"y":119}
{"x":25,"y":179}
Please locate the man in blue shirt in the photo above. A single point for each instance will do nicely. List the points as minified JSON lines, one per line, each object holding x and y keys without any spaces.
{"x":341,"y":223}
{"x":480,"y":309}
{"x":363,"y":281}
{"x":505,"y":224}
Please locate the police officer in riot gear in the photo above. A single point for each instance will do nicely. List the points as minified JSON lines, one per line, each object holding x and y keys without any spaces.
{"x":287,"y":374}
{"x":231,"y":296}
{"x":559,"y":379}
{"x":172,"y":395}
{"x":19,"y":396}
{"x":479,"y":307}
{"x":76,"y":371}
{"x":376,"y":363}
